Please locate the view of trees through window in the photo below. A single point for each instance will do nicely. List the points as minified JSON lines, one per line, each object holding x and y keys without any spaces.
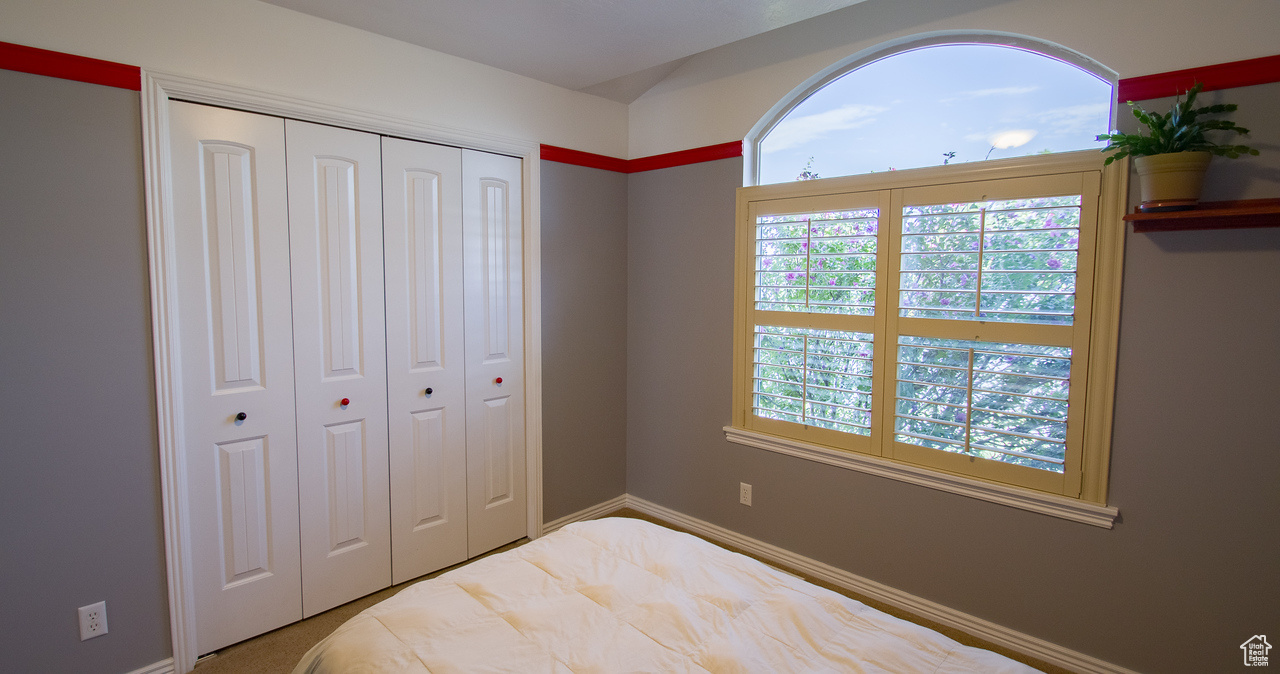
{"x":937,"y":105}
{"x":1005,"y":261}
{"x":1008,"y":261}
{"x":1004,"y":402}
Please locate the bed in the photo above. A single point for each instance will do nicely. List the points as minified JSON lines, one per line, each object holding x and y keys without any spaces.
{"x":624,"y":595}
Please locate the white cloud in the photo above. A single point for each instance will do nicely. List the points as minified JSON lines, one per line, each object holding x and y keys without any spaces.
{"x":794,"y":131}
{"x":983,"y":93}
{"x":1012,"y":138}
{"x":1003,"y":140}
{"x":1090,"y":117}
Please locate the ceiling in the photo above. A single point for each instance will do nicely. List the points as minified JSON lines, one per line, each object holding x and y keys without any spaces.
{"x":617,"y":49}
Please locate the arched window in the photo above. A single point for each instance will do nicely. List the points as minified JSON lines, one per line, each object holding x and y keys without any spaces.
{"x":933,"y":101}
{"x":952,"y":326}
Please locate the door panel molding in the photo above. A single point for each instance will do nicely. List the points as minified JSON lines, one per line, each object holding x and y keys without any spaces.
{"x":339,"y":355}
{"x":422,"y":202}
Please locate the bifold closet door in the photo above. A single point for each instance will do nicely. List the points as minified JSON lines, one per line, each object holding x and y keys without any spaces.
{"x":232,"y":245}
{"x":425,"y":366}
{"x":492,"y":224}
{"x":335,"y":235}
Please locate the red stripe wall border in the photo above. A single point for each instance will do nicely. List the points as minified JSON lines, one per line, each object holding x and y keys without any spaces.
{"x":684,"y":157}
{"x":1247,"y":73}
{"x":579,"y":158}
{"x":658,"y":161}
{"x":69,"y":66}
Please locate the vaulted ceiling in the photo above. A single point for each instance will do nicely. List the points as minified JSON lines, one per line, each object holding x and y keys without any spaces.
{"x":617,"y":49}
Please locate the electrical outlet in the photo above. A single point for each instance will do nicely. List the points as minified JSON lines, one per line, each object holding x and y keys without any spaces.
{"x":93,"y":620}
{"x":744,"y":493}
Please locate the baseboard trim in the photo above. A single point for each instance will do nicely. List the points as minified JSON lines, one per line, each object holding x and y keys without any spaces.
{"x":591,"y":513}
{"x":163,"y":667}
{"x":983,"y":629}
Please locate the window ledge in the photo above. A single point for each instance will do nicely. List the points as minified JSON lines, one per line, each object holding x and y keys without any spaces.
{"x":1047,"y":504}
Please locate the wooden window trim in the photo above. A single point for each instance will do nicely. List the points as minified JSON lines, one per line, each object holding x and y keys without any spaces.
{"x":1100,"y":327}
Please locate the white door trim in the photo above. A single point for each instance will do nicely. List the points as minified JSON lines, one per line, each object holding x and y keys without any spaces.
{"x":157,"y":90}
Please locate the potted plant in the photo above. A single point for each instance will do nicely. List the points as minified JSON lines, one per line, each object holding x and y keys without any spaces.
{"x":1173,"y":155}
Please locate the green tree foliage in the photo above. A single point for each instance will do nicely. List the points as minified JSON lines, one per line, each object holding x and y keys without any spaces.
{"x":1008,"y":261}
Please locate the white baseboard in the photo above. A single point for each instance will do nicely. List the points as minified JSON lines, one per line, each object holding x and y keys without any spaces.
{"x":162,"y":667}
{"x":586,"y":514}
{"x":983,"y":629}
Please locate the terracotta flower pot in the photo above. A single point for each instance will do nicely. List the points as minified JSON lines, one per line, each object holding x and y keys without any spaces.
{"x":1171,"y":180}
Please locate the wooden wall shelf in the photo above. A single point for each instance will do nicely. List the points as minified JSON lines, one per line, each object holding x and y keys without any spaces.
{"x":1211,"y":215}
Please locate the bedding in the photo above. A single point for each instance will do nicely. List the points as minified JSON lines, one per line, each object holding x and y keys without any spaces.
{"x":624,"y":595}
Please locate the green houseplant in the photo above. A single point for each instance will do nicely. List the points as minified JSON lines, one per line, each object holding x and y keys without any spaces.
{"x":1173,"y":154}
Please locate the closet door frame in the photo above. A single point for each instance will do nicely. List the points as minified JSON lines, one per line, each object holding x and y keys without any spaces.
{"x":157,"y":90}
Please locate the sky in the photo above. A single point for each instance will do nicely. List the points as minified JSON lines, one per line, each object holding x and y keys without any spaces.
{"x":907,"y":110}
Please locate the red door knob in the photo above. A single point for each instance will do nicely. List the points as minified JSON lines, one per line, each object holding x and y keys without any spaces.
{"x":498,"y":380}
{"x":346,"y":401}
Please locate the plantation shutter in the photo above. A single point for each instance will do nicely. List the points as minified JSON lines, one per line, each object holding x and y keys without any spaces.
{"x":991,"y":327}
{"x":812,"y":315}
{"x":943,"y":324}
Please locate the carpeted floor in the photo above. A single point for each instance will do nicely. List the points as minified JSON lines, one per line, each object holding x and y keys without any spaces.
{"x":278,"y":651}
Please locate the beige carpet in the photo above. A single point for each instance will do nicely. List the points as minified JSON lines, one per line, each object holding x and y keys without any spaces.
{"x":278,"y":651}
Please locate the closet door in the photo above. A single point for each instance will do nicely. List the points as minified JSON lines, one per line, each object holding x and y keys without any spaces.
{"x":232,"y":245}
{"x":492,"y":222}
{"x":335,"y":236}
{"x":425,"y":379}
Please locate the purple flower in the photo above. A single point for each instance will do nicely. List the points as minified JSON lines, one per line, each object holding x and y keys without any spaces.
{"x":804,"y":245}
{"x":1054,"y":264}
{"x":961,"y":417}
{"x":1048,"y":221}
{"x":831,"y":282}
{"x":768,"y":262}
{"x":946,"y":301}
{"x":791,"y":276}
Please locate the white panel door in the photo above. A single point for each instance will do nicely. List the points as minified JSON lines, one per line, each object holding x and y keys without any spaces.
{"x":232,"y":246}
{"x":492,"y":223}
{"x":335,"y":236}
{"x":425,"y":369}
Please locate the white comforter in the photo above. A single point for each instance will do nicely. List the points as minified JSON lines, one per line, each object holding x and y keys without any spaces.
{"x":623,"y":595}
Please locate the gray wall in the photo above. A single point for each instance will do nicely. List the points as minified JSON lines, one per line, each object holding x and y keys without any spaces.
{"x":79,"y":478}
{"x":637,"y":318}
{"x":1189,"y":571}
{"x":584,"y":337}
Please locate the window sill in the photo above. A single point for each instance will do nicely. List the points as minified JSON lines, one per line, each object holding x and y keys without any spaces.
{"x":1039,"y":502}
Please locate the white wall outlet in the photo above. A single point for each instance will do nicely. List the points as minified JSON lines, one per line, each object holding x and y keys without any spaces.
{"x":744,"y":493}
{"x":93,"y":620}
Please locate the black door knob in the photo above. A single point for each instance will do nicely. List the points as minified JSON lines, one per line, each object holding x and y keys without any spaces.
{"x":428,"y":391}
{"x":241,"y":416}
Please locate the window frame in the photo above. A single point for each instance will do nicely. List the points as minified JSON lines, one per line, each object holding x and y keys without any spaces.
{"x":1083,"y":496}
